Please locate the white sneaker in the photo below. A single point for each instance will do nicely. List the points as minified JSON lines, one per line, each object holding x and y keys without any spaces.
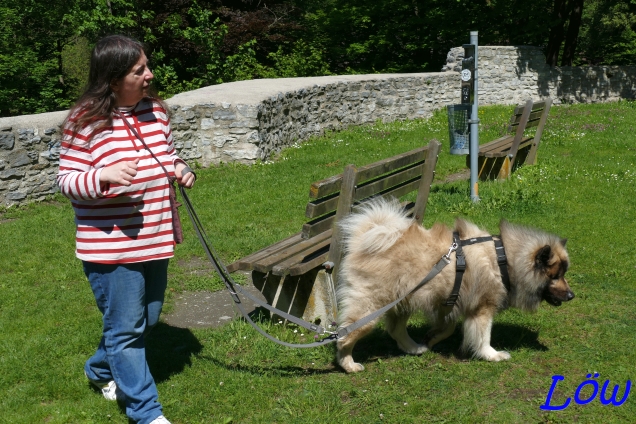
{"x":160,"y":420}
{"x":109,"y":390}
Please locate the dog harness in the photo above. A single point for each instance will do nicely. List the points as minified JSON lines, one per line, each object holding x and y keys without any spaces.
{"x":460,"y":266}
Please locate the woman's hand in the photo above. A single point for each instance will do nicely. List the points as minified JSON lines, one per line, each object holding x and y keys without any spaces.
{"x":186,"y":180}
{"x":120,"y":173}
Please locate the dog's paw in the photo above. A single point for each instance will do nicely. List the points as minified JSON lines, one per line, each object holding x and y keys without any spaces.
{"x":498,"y":356}
{"x":415,"y":349}
{"x":353,"y":367}
{"x":349,"y":365}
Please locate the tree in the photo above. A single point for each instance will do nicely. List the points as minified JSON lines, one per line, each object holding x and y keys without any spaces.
{"x":608,"y":33}
{"x":576,"y":13}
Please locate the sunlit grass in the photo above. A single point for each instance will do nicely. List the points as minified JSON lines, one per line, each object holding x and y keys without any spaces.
{"x":581,"y":189}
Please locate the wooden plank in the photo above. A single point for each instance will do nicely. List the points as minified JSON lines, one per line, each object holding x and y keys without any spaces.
{"x":317,"y":226}
{"x":310,"y":264}
{"x":349,"y":181}
{"x":331,"y":185}
{"x":535,"y":106}
{"x":325,"y":187}
{"x":386,"y":182}
{"x":329,"y":204}
{"x":384,"y":166}
{"x":321,"y":206}
{"x":534,"y":116}
{"x":265,"y":264}
{"x":531,"y":159}
{"x":245,"y":264}
{"x":426,"y":180}
{"x":499,"y":144}
{"x":519,"y":135}
{"x":283,"y":268}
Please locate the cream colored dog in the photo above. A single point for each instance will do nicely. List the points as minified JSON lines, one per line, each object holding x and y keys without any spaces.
{"x":387,"y":254}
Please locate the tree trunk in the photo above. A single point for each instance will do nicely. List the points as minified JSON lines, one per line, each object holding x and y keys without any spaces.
{"x":576,"y":7}
{"x":556,"y":32}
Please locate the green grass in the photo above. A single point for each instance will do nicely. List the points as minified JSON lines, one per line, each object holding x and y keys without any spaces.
{"x":582,"y":189}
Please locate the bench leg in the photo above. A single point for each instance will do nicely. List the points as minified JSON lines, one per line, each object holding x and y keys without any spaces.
{"x":306,"y":296}
{"x":493,"y":168}
{"x":505,"y":170}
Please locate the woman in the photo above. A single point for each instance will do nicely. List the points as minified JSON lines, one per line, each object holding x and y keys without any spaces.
{"x":122,"y":212}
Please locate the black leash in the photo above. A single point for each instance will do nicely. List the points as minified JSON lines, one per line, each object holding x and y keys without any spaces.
{"x":235,"y":289}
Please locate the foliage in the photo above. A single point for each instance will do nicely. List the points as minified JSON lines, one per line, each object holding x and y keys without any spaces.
{"x":50,"y":324}
{"x":415,"y":36}
{"x":193,"y":43}
{"x":608,"y":35}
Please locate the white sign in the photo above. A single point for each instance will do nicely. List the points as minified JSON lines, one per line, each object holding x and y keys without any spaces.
{"x":466,"y":75}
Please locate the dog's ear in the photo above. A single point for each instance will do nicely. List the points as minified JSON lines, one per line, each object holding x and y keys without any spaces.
{"x":563,"y":241}
{"x":542,"y":257}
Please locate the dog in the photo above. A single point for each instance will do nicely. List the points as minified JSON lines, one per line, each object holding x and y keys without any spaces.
{"x":387,"y":254}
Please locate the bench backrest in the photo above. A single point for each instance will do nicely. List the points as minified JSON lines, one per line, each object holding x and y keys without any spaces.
{"x":394,"y":176}
{"x":528,"y":116}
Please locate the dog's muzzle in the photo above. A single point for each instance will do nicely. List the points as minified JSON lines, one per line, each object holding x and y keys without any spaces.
{"x":556,"y":297}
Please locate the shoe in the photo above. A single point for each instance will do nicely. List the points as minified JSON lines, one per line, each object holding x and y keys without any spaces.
{"x":160,"y":420}
{"x":109,"y":390}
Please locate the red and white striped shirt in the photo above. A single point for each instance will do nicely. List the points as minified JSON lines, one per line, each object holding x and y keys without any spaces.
{"x":118,"y":224}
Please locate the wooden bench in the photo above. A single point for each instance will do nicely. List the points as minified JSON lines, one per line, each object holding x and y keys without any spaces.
{"x":298,"y":273}
{"x":498,"y":158}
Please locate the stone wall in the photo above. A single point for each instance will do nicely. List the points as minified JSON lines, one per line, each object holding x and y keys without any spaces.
{"x":246,"y":121}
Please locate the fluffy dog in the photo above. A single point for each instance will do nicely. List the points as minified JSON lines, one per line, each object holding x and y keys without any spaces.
{"x":387,"y":254}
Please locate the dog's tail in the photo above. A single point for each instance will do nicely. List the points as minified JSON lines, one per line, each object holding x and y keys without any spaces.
{"x":375,"y":226}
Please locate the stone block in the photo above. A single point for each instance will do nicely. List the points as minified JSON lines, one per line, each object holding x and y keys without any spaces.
{"x":7,"y":140}
{"x":19,"y":158}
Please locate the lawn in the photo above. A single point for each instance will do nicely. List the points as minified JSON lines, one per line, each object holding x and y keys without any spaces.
{"x":581,"y":189}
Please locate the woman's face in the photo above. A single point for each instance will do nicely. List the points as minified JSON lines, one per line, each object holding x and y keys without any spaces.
{"x":134,"y":86}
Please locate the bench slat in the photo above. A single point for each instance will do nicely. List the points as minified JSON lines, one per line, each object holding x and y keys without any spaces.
{"x":332,"y":184}
{"x":319,"y":225}
{"x":535,"y":116}
{"x":535,"y":106}
{"x":385,"y":183}
{"x":245,"y":264}
{"x":323,"y":206}
{"x":303,"y":258}
{"x":496,"y":145}
{"x":310,"y":264}
{"x":267,"y":263}
{"x":502,"y":153}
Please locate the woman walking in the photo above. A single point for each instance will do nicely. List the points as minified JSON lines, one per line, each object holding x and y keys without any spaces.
{"x":124,"y":233}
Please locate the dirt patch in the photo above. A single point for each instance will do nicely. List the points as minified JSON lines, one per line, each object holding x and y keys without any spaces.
{"x":206,"y":309}
{"x":462,"y":175}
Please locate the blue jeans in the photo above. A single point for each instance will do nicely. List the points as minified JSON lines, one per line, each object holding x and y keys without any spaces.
{"x":130,"y":298}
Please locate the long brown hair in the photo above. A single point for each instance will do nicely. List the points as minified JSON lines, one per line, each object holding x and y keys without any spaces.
{"x":111,"y":59}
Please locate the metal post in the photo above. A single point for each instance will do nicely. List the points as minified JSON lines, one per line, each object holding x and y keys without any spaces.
{"x":474,"y":129}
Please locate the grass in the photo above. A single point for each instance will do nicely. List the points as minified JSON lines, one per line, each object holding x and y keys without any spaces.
{"x":582,"y":189}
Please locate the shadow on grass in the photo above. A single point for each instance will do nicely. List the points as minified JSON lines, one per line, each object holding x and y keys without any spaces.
{"x":379,"y":345}
{"x":169,"y":350}
{"x":278,"y":371}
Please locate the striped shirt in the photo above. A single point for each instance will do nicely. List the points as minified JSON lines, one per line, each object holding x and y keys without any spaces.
{"x":117,"y":224}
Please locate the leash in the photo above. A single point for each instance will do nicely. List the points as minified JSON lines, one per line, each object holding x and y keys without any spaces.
{"x":235,"y":290}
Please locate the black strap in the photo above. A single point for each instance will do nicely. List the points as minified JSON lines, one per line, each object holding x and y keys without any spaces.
{"x":461,"y":263}
{"x":460,"y":267}
{"x":502,"y":261}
